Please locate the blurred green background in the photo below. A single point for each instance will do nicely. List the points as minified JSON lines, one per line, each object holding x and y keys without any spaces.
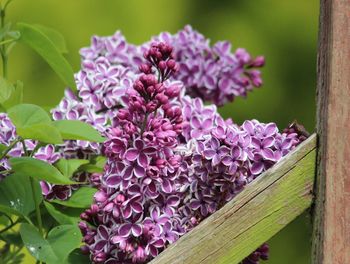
{"x":284,"y":31}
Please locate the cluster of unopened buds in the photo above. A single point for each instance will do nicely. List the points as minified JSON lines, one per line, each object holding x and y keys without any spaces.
{"x":171,"y":160}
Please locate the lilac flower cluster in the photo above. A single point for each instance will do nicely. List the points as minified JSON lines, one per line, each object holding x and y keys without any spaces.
{"x":171,"y":162}
{"x":110,"y":67}
{"x":140,"y":174}
{"x":213,"y":73}
{"x":220,"y":157}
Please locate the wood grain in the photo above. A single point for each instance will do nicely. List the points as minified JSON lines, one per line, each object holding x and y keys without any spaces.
{"x":331,"y":239}
{"x":262,"y":209}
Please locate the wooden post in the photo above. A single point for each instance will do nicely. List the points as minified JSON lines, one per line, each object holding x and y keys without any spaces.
{"x":331,"y":239}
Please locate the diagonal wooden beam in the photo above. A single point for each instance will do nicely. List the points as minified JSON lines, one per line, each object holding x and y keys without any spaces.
{"x":331,"y":238}
{"x":262,"y":209}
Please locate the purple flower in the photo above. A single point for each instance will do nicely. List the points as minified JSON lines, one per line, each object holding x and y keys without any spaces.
{"x":47,"y":154}
{"x":200,"y":128}
{"x":232,"y":160}
{"x":156,"y":220}
{"x":130,"y":228}
{"x":139,"y":152}
{"x":171,"y":159}
{"x":215,"y":152}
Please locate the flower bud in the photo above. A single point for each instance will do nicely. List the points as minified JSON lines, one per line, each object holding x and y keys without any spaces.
{"x":171,"y":64}
{"x":145,"y":68}
{"x":100,"y":196}
{"x":162,"y":66}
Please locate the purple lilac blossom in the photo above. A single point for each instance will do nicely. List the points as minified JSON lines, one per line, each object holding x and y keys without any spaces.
{"x":171,"y":162}
{"x":213,"y":73}
{"x":110,"y":66}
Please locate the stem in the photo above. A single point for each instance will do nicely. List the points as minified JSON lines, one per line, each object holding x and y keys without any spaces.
{"x":9,"y":227}
{"x":7,"y":41}
{"x":13,"y":143}
{"x":105,"y":109}
{"x":37,"y":207}
{"x":3,"y":47}
{"x":24,"y":147}
{"x":8,"y":2}
{"x":144,"y":124}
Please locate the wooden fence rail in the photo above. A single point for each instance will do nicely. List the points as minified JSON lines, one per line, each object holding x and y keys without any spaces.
{"x":262,"y":209}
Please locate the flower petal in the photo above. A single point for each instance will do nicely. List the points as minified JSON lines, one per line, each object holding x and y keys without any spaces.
{"x":125,"y":229}
{"x":131,"y":154}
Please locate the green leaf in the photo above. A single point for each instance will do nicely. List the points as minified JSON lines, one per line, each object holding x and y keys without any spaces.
{"x":77,"y":257}
{"x":16,"y":97}
{"x":82,"y":198}
{"x":2,"y":148}
{"x":68,"y":167}
{"x":6,"y":89}
{"x":64,"y":216}
{"x":28,"y":114}
{"x":42,"y":132}
{"x":56,"y":37}
{"x":39,"y":170}
{"x":60,"y":242}
{"x":37,"y":246}
{"x":64,"y":239}
{"x":37,"y":40}
{"x":25,"y":115}
{"x":32,"y":122}
{"x":16,"y":195}
{"x":74,"y":129}
{"x":96,"y":165}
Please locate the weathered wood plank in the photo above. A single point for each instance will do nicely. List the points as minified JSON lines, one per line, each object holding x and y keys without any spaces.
{"x":262,"y":209}
{"x":331,"y":239}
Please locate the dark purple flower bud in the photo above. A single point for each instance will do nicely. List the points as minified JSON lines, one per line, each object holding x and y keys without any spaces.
{"x":162,"y":66}
{"x":119,"y":199}
{"x":163,"y":99}
{"x":84,"y":216}
{"x":173,"y":91}
{"x":83,"y":228}
{"x":100,"y":257}
{"x":123,"y":114}
{"x":145,"y":68}
{"x":258,"y":62}
{"x":159,"y":88}
{"x":94,"y":209}
{"x":85,"y":250}
{"x":160,"y":163}
{"x":150,"y":89}
{"x":100,"y":196}
{"x":109,"y":207}
{"x":171,"y":64}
